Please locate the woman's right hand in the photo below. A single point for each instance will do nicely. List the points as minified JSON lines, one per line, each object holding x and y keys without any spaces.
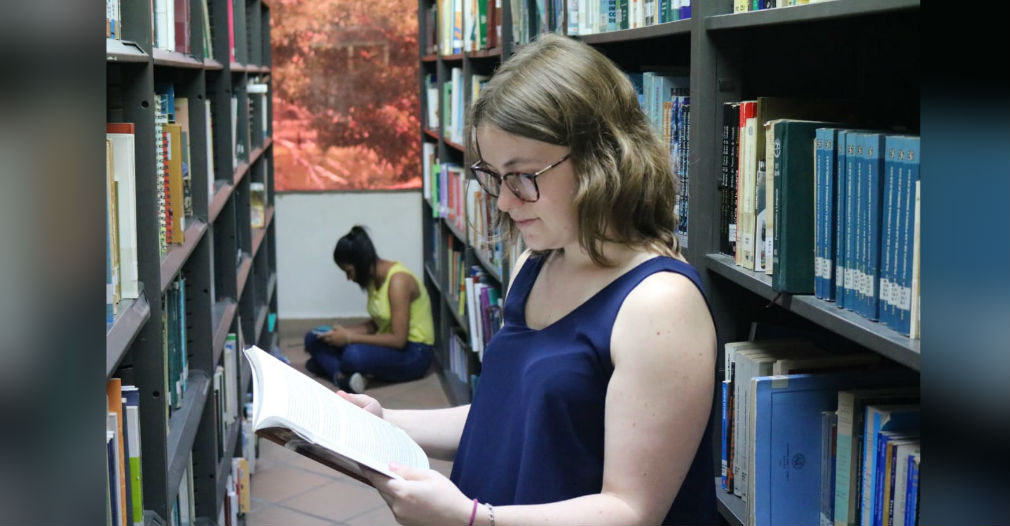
{"x":363,"y":401}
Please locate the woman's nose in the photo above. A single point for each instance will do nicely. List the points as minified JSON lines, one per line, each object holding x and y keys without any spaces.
{"x":507,"y":200}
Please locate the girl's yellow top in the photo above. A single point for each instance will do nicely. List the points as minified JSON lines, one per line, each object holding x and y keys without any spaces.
{"x":421,"y":328}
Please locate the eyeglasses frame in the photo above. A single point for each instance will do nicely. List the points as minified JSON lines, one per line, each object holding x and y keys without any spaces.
{"x":480,"y":166}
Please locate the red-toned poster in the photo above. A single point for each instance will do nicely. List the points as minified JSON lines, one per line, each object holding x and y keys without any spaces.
{"x":345,"y":94}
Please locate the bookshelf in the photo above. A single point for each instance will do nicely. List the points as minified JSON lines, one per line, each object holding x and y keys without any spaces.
{"x":229,"y":266}
{"x":830,"y":49}
{"x":457,"y":360}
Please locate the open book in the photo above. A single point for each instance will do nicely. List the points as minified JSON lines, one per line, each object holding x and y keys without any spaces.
{"x":297,"y":412}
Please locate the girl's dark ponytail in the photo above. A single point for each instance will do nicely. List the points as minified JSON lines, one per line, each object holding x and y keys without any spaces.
{"x":356,"y":250}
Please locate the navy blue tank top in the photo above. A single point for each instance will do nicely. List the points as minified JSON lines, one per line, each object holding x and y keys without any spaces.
{"x":534,"y":433}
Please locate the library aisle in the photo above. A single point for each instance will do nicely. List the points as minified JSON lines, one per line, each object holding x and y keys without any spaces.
{"x":288,"y":489}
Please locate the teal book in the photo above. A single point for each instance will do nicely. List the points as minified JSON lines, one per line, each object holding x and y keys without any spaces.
{"x":793,"y":244}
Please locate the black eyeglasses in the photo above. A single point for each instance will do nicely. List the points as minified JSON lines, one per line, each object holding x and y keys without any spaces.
{"x":523,"y":185}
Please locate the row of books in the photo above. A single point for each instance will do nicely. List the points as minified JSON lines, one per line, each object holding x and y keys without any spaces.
{"x":455,"y":26}
{"x":459,"y":358}
{"x":173,"y":181}
{"x":125,"y":495}
{"x":586,"y":17}
{"x":482,"y":234}
{"x":875,"y":460}
{"x":174,"y":343}
{"x":437,"y":250}
{"x":452,"y":112}
{"x":822,"y":207}
{"x":114,"y":19}
{"x":743,"y":6}
{"x":238,"y":493}
{"x":782,"y":456}
{"x":484,"y":309}
{"x":170,"y":24}
{"x":172,"y":165}
{"x":430,"y":117}
{"x":744,"y":175}
{"x":258,"y":91}
{"x":237,"y":501}
{"x":122,"y":277}
{"x":455,"y":286}
{"x":226,"y":391}
{"x":183,"y":510}
{"x":123,"y":434}
{"x":866,"y":237}
{"x":446,"y":183}
{"x":463,"y":203}
{"x":664,"y":97}
{"x":257,"y":204}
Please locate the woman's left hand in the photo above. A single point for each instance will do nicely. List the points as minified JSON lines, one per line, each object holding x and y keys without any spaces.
{"x":423,"y":497}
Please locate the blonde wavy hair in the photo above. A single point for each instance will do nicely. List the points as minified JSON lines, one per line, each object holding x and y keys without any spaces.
{"x":561,"y":91}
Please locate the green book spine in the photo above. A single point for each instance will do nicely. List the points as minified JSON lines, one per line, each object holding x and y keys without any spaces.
{"x":481,"y":25}
{"x":793,"y":244}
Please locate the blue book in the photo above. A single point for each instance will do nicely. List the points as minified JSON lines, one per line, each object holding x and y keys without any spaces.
{"x":826,"y":195}
{"x":841,"y":217}
{"x":786,"y":475}
{"x":852,"y":196}
{"x":857,"y":164}
{"x":829,"y":432}
{"x":912,"y":492}
{"x":820,"y":181}
{"x":882,"y":494}
{"x":167,"y":93}
{"x":873,"y":144}
{"x":889,"y":229}
{"x":898,"y":417}
{"x":904,"y":311}
{"x":638,"y":83}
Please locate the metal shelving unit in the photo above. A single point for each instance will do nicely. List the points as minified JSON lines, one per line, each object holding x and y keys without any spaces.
{"x":217,"y":287}
{"x":827,"y":49}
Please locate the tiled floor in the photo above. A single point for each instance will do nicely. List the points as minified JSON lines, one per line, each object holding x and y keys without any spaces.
{"x":288,"y":489}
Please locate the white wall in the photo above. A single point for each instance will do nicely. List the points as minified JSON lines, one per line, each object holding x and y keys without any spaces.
{"x":309,"y":284}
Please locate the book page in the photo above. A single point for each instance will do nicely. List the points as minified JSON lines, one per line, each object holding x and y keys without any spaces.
{"x":287,"y":398}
